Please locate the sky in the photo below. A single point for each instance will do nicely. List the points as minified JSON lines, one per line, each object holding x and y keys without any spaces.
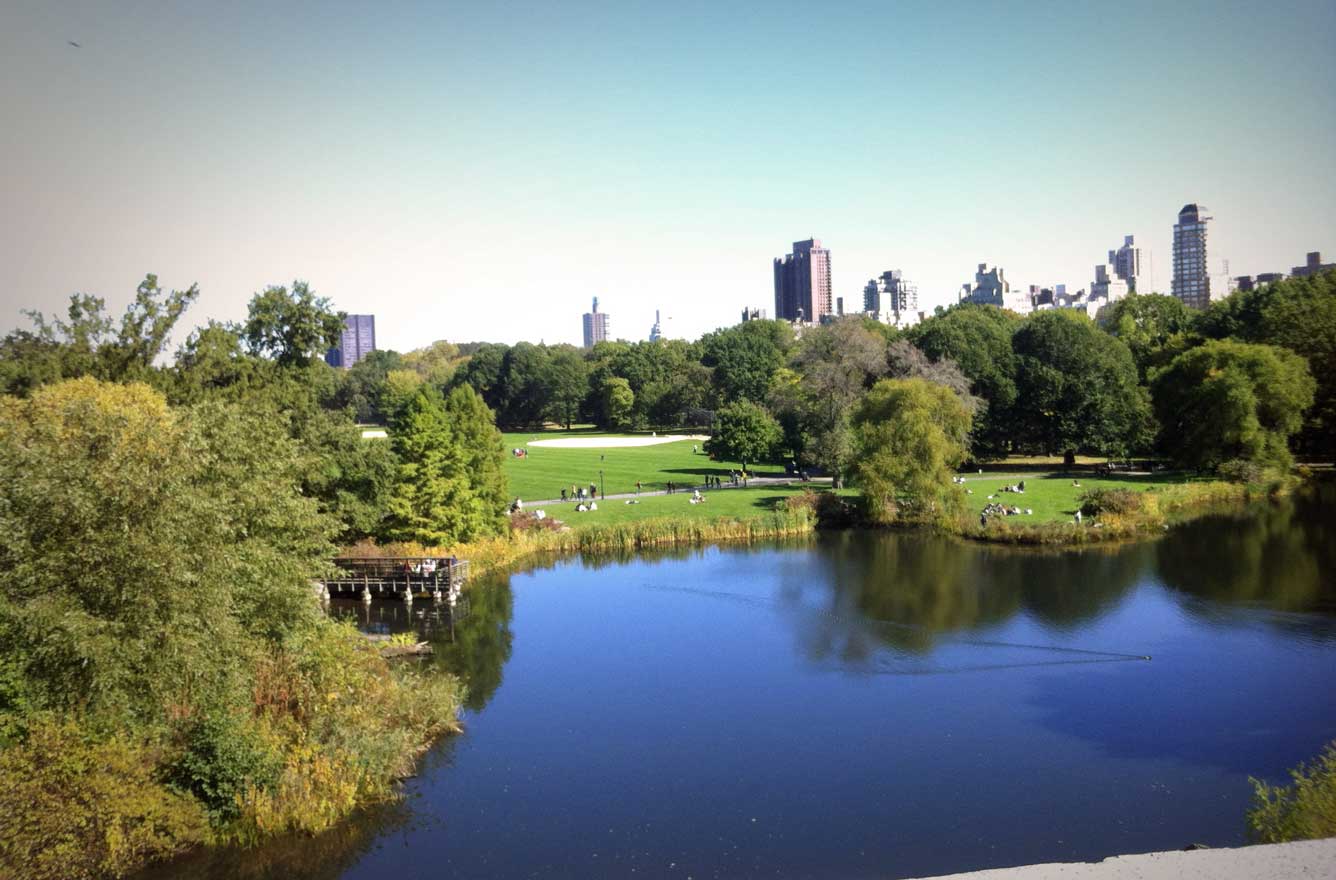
{"x":480,"y":171}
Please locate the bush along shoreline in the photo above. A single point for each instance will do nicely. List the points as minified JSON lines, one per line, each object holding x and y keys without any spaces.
{"x":1107,"y":515}
{"x":167,"y":680}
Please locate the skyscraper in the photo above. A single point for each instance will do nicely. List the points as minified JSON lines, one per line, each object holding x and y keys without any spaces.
{"x":656,"y":332}
{"x":802,"y":283}
{"x":595,"y":326}
{"x":891,"y":299}
{"x":1108,"y":285}
{"x":358,"y":341}
{"x":1192,"y":282}
{"x":1133,"y":265}
{"x":991,"y":288}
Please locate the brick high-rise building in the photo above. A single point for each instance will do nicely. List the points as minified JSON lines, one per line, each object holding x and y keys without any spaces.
{"x":802,"y":283}
{"x":595,"y":326}
{"x":1192,"y":281}
{"x":358,"y":341}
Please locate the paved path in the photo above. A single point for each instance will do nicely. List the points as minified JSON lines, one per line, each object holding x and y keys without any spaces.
{"x":753,"y":483}
{"x":1308,"y":859}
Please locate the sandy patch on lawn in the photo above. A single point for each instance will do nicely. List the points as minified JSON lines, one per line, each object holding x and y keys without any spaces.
{"x":611,"y":442}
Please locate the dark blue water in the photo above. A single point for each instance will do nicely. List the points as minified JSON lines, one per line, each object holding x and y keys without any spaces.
{"x":866,"y":704}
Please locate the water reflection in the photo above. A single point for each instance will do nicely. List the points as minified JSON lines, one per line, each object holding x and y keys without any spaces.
{"x":472,"y":640}
{"x":322,"y":856}
{"x":1281,"y":556}
{"x":907,"y":591}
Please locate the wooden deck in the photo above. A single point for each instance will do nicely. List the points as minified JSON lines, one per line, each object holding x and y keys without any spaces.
{"x":397,"y":577}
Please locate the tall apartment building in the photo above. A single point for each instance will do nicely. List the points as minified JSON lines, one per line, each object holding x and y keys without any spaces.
{"x":991,"y":288}
{"x":1312,"y":265}
{"x":1133,"y":265}
{"x":802,"y":283}
{"x":891,"y":299}
{"x":595,"y":326}
{"x":1108,"y":285}
{"x":1192,"y":281}
{"x":358,"y":341}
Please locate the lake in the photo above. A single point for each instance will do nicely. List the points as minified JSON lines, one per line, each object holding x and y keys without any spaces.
{"x":862,"y":704}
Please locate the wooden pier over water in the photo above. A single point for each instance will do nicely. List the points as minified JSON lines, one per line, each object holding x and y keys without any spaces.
{"x":437,"y":578}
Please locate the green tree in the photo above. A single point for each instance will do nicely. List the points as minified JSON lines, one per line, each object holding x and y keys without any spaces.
{"x":909,"y":437}
{"x":1298,"y":314}
{"x":482,"y":372}
{"x":363,"y":387}
{"x":525,"y":386}
{"x":88,"y":343}
{"x":1076,"y":388}
{"x":743,"y":361}
{"x":436,"y":363}
{"x":1154,"y":327}
{"x":212,"y":361}
{"x":437,"y":500}
{"x":568,"y":383}
{"x":147,"y":549}
{"x":349,"y":476}
{"x":978,"y":339}
{"x":1227,"y":401}
{"x":744,"y":432}
{"x":835,"y":365}
{"x":292,"y":326}
{"x":475,"y":430}
{"x":618,"y":403}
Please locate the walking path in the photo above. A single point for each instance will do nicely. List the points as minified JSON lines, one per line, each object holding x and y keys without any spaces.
{"x":1308,"y":859}
{"x":750,"y":484}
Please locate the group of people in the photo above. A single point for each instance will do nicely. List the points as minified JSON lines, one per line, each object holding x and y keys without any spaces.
{"x":577,"y":493}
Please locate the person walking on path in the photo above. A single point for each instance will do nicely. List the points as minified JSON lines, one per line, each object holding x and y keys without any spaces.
{"x":563,"y":494}
{"x":637,"y":487}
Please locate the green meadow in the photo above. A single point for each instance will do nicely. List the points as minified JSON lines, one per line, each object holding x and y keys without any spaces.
{"x":546,"y":470}
{"x":1053,"y":496}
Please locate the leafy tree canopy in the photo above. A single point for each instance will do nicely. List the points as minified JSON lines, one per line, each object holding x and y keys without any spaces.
{"x":909,"y":437}
{"x":292,"y":326}
{"x":1076,"y":388}
{"x":1232,"y":401}
{"x":744,"y":432}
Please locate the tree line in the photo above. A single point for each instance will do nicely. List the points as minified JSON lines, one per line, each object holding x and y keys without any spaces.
{"x":1235,"y":387}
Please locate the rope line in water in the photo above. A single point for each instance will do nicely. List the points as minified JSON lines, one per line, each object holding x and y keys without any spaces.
{"x":765,"y":602}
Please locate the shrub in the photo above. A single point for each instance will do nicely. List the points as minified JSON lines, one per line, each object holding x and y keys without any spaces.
{"x":223,"y":756}
{"x":72,"y":807}
{"x":1121,"y":502}
{"x":1243,"y":471}
{"x":1302,"y":810}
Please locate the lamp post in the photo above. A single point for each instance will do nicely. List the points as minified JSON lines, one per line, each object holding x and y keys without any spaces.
{"x":601,"y":490}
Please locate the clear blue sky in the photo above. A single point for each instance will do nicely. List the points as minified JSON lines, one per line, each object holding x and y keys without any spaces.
{"x":480,"y":170}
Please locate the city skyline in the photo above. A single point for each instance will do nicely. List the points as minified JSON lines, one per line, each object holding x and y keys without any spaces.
{"x":439,"y":151}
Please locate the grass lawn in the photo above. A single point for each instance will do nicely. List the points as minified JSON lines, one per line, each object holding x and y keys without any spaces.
{"x":1053,"y":497}
{"x":547,"y":470}
{"x":731,"y":503}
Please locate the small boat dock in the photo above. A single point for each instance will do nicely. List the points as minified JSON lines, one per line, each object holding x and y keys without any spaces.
{"x":406,"y":578}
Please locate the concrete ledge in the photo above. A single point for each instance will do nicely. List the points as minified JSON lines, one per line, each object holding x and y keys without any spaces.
{"x":1308,"y":859}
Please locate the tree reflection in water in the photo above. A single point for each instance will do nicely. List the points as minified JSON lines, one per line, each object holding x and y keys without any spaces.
{"x":908,"y":591}
{"x":1279,"y":556}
